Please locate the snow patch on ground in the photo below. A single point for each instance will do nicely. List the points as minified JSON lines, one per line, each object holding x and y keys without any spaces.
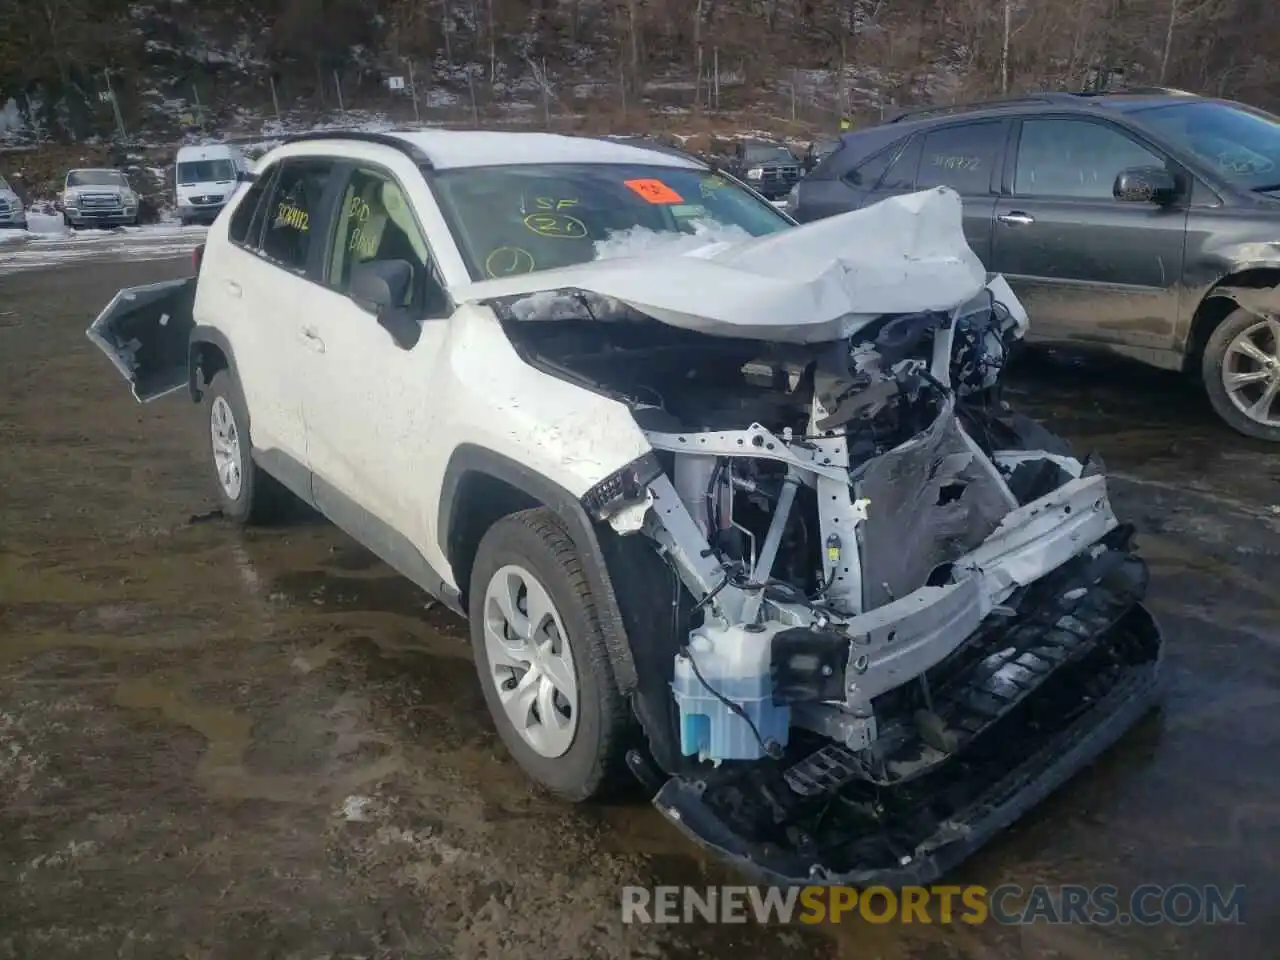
{"x":49,"y":243}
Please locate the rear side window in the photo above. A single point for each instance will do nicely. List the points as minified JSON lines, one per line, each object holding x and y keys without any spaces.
{"x":294,"y":203}
{"x":238,"y":230}
{"x":961,"y":157}
{"x":868,"y":173}
{"x":901,"y":175}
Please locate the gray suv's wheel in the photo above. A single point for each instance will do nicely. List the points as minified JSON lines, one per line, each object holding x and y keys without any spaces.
{"x":1241,"y":372}
{"x":246,"y":494}
{"x":543,"y":665}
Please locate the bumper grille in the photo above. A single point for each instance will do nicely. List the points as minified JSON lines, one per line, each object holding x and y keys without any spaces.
{"x":100,"y":202}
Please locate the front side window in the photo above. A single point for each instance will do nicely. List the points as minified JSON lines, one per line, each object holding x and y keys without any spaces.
{"x":961,"y":157}
{"x":376,"y":224}
{"x":206,"y":171}
{"x":96,"y":178}
{"x":509,"y":220}
{"x":1242,"y":144}
{"x":1079,"y":159}
{"x":294,"y":203}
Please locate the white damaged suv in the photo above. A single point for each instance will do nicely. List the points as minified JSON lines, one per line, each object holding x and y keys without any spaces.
{"x":729,"y":501}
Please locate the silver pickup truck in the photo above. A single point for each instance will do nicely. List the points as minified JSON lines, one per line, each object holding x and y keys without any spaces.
{"x":99,"y":198}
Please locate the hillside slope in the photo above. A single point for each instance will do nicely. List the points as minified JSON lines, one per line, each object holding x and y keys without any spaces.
{"x":175,"y":66}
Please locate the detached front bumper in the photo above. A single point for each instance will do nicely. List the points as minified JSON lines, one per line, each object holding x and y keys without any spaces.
{"x":1097,"y":654}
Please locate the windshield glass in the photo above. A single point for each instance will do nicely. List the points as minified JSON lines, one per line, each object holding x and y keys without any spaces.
{"x":768,"y":153}
{"x":96,"y":178}
{"x":206,"y":171}
{"x":4,"y":184}
{"x":509,"y":220}
{"x":1241,"y":144}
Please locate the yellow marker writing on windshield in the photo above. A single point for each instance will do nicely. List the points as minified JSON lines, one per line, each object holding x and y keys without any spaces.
{"x":557,"y":225}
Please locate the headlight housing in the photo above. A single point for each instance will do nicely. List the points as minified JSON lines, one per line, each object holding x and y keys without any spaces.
{"x":623,"y":488}
{"x":755,"y":173}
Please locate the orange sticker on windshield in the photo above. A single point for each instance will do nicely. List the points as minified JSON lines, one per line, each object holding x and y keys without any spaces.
{"x":655,"y":191}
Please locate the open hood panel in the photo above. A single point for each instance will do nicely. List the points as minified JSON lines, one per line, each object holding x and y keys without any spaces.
{"x":815,"y":283}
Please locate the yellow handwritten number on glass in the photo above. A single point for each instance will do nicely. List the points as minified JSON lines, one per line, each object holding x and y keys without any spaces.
{"x":559,"y":225}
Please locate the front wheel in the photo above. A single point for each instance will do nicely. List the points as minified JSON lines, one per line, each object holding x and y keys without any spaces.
{"x":541,"y":656}
{"x":1241,"y":374}
{"x":246,"y":493}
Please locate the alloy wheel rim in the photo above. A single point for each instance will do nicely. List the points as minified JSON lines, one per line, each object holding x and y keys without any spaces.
{"x":1251,"y":372}
{"x":530,"y":661}
{"x":226,"y":447}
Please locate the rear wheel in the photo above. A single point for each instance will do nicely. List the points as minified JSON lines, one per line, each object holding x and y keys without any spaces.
{"x":1241,"y":374}
{"x":541,"y":656}
{"x":246,"y":493}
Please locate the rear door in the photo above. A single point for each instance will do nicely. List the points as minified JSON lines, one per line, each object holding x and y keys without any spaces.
{"x":258,"y":289}
{"x":968,"y":158}
{"x":1088,"y":267}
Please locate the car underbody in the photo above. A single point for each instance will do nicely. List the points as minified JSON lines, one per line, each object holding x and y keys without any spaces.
{"x":900,"y":613}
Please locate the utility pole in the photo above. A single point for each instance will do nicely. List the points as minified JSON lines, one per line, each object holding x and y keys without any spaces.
{"x":413,"y":90}
{"x":115,"y":105}
{"x":1004,"y":50}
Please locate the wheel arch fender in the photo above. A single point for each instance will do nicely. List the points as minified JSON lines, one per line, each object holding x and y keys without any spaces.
{"x":1256,"y":289}
{"x":481,"y":487}
{"x":208,"y":351}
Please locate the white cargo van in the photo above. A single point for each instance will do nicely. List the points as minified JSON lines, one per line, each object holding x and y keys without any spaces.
{"x":204,"y":180}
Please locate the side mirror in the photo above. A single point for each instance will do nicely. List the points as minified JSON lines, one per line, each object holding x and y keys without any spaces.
{"x":380,"y":287}
{"x":1145,"y":185}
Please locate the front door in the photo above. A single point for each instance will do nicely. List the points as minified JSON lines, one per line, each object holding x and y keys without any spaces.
{"x":370,"y":422}
{"x":1088,"y":267}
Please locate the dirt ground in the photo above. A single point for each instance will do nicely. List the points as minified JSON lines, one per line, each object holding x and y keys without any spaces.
{"x":269,"y":746}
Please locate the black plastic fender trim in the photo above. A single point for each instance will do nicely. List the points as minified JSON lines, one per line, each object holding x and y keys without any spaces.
{"x":201,"y":334}
{"x":469,"y":458}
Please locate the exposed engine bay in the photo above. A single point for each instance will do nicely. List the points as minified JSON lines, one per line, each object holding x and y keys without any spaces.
{"x":890,"y":594}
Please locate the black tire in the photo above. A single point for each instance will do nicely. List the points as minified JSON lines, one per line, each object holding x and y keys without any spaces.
{"x":594,"y":763}
{"x":1215,"y":355}
{"x":260,"y":498}
{"x":186,"y":221}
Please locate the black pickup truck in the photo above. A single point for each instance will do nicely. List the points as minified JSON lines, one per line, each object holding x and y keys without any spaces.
{"x":769,"y":168}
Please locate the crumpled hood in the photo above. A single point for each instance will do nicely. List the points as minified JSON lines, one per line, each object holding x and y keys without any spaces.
{"x":810,"y":284}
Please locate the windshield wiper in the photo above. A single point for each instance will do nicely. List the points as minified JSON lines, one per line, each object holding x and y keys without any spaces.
{"x":1273,"y":187}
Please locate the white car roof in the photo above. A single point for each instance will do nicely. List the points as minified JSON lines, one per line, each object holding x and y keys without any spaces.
{"x":478,"y":148}
{"x":207,"y":151}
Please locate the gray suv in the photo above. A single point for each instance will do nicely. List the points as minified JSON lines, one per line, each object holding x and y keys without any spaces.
{"x":1143,"y":222}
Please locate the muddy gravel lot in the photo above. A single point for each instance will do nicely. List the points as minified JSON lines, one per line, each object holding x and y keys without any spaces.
{"x":267,"y":745}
